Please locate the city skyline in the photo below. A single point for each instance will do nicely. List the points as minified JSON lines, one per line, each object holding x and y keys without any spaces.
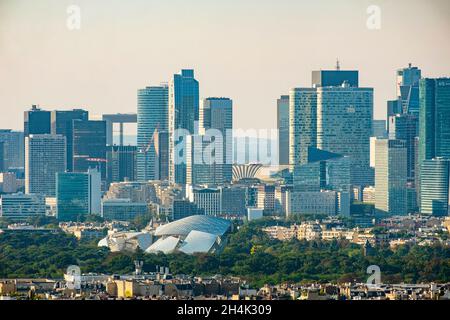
{"x":100,"y":67}
{"x":203,"y":150}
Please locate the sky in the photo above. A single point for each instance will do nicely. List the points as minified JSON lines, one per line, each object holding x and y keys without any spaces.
{"x":252,"y":51}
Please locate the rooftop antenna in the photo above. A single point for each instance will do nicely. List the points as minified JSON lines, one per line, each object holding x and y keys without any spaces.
{"x":338,"y":65}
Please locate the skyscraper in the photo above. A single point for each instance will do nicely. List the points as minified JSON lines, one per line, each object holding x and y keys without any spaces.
{"x":408,"y":89}
{"x":13,"y":149}
{"x":62,"y":123}
{"x":183,"y":114}
{"x":407,"y":101}
{"x":152,"y":121}
{"x":406,"y":127}
{"x":45,"y":156}
{"x":391,"y":177}
{"x":216,"y":118}
{"x":2,"y":157}
{"x":36,"y":121}
{"x":201,"y":167}
{"x":334,"y":116}
{"x":89,"y":146}
{"x":434,"y":119}
{"x":121,"y":163}
{"x":344,"y":126}
{"x":434,"y":187}
{"x":78,"y":194}
{"x":283,"y":129}
{"x":302,"y":124}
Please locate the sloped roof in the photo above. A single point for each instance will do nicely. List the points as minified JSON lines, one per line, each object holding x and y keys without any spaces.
{"x":203,"y":223}
{"x":198,"y":242}
{"x":166,"y":245}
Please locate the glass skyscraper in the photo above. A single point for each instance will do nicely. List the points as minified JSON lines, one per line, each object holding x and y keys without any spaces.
{"x":13,"y":149}
{"x":45,"y":156}
{"x":406,"y":127}
{"x":302,"y":124}
{"x":391,"y":177}
{"x":344,"y":126}
{"x":152,"y":125}
{"x":62,"y":123}
{"x":408,"y":89}
{"x":89,"y":146}
{"x":434,"y":187}
{"x":216,"y":115}
{"x":121,"y":163}
{"x":434,"y":119}
{"x":283,"y":129}
{"x":183,"y":114}
{"x":77,"y":194}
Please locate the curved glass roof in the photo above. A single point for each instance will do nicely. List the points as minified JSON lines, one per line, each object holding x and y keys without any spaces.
{"x":198,"y":242}
{"x":183,"y":227}
{"x":165,"y":246}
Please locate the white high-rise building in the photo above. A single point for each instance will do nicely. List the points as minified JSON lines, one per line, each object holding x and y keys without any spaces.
{"x":391,"y":177}
{"x":45,"y":156}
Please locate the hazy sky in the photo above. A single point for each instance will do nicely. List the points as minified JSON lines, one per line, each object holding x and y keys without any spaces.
{"x":249,"y":50}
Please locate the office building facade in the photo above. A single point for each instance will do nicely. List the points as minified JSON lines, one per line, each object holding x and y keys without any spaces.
{"x":406,"y":127}
{"x":283,"y":129}
{"x":408,"y":89}
{"x":121,"y":163}
{"x":183,"y":114}
{"x":89,"y":146}
{"x":20,"y":207}
{"x":216,"y":123}
{"x":78,"y":194}
{"x":13,"y":149}
{"x":344,"y":126}
{"x":62,"y":123}
{"x":391,"y":177}
{"x":45,"y":156}
{"x":37,"y":121}
{"x":302,"y":124}
{"x":123,"y":209}
{"x":434,"y":119}
{"x":434,"y":187}
{"x":152,"y":124}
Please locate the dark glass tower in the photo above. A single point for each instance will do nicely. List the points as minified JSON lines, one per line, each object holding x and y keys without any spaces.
{"x":335,"y":78}
{"x":283,"y":129}
{"x":121,"y":165}
{"x":434,"y":139}
{"x":36,"y":121}
{"x":61,"y":123}
{"x":406,"y":127}
{"x":89,"y":146}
